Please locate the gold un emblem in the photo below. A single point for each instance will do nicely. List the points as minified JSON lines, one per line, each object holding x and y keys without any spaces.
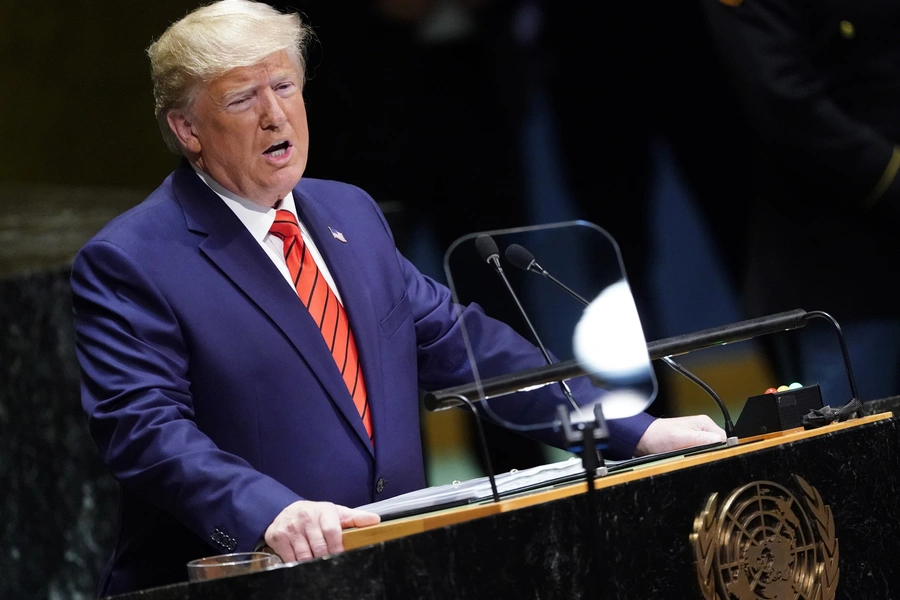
{"x":764,"y":543}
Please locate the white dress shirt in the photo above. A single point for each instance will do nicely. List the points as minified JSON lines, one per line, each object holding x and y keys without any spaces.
{"x":258,"y":220}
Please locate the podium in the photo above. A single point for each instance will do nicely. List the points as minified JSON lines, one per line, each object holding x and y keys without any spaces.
{"x":799,"y":514}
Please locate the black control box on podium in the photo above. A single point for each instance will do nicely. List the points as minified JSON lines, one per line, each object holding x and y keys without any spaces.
{"x":777,"y":411}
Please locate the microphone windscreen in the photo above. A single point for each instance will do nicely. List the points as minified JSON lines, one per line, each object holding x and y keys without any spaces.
{"x":519,"y":256}
{"x":486,"y":247}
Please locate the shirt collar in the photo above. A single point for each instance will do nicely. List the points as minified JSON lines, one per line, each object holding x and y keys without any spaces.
{"x":256,"y":218}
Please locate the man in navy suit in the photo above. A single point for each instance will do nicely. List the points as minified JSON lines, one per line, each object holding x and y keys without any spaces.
{"x":212,"y":393}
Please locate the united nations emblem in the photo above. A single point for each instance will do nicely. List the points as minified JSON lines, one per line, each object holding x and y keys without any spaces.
{"x":766,"y":543}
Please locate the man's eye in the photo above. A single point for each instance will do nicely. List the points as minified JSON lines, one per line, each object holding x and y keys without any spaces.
{"x":284,"y":86}
{"x":238,"y":102}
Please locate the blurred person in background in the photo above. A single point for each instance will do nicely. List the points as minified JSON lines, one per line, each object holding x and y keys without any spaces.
{"x":819,"y":84}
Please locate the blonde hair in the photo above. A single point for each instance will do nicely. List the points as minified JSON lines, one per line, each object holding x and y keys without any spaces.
{"x":214,"y":39}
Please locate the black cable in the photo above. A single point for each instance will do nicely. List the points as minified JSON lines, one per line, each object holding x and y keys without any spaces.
{"x":729,"y":426}
{"x":844,"y":351}
{"x":484,"y":447}
{"x":826,"y":414}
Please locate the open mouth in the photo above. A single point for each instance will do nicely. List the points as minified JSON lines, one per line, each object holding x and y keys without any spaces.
{"x":277,"y":150}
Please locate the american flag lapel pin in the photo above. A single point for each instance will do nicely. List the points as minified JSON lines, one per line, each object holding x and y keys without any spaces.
{"x":337,"y":235}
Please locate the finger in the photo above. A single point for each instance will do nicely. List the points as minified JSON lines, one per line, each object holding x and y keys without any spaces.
{"x":699,"y":438}
{"x":711,"y":427}
{"x":705,"y":423}
{"x":280,"y":543}
{"x":301,"y":545}
{"x":350,"y":517}
{"x":331,"y":530}
{"x":316,"y":545}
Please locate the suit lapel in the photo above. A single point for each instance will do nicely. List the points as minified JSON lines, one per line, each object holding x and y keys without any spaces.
{"x":231,"y":248}
{"x":351,"y":280}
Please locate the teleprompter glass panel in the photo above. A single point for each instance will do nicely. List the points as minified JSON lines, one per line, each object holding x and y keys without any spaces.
{"x":562,"y":287}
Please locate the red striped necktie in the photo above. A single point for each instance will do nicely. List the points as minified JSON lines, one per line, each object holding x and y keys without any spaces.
{"x":325,"y":309}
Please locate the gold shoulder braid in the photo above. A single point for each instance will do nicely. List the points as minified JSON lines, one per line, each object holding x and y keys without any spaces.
{"x":886,"y":179}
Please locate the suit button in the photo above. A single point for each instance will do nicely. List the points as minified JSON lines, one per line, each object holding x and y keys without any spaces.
{"x":379,"y":485}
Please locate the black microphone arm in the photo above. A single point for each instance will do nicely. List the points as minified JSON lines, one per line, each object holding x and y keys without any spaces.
{"x":671,"y":346}
{"x":522,"y":258}
{"x":487,"y":248}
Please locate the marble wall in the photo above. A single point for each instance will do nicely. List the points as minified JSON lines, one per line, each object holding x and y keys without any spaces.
{"x":57,"y":500}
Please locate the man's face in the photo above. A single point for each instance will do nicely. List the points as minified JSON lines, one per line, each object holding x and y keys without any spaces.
{"x":248,"y":131}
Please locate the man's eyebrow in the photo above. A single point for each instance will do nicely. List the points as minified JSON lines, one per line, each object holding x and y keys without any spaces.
{"x":236,"y":92}
{"x":287,"y":74}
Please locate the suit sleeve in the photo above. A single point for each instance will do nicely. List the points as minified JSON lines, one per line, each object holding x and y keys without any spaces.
{"x":768,"y":46}
{"x":136,"y":392}
{"x":444,"y":362}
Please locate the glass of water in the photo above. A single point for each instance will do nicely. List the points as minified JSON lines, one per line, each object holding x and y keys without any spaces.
{"x":227,"y":565}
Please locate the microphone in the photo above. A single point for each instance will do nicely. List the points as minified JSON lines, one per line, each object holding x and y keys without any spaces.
{"x":523,"y":259}
{"x":487,"y":249}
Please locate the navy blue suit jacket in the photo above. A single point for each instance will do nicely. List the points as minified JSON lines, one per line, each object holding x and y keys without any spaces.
{"x":212,"y":395}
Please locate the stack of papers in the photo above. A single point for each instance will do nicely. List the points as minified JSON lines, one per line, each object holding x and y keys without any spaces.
{"x":479,"y":489}
{"x":475,"y":490}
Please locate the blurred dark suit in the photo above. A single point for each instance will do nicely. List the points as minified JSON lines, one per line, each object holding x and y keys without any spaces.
{"x":819,"y":82}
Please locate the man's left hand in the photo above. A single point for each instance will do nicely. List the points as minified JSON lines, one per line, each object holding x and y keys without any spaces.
{"x":676,"y":433}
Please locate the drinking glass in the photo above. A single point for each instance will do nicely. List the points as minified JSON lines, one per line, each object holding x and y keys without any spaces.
{"x":227,"y":565}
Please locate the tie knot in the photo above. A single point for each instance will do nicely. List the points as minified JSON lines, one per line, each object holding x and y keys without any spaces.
{"x":285,"y":225}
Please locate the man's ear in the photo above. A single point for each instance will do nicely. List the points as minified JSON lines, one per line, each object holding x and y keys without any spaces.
{"x":182,"y":126}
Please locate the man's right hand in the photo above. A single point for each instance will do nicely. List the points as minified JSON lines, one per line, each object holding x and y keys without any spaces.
{"x":306,"y":529}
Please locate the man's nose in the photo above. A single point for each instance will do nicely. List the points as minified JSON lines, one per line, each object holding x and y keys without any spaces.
{"x":272,"y":116}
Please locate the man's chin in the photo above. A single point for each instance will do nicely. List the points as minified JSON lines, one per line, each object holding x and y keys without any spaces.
{"x":274,"y":194}
{"x":288,"y":175}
